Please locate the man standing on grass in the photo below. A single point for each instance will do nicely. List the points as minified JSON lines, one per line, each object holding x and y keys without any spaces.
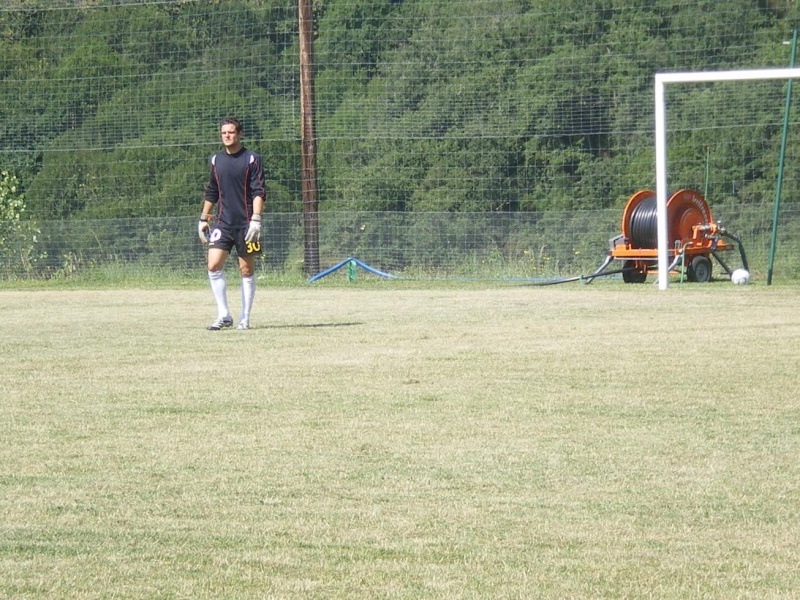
{"x":236,"y":187}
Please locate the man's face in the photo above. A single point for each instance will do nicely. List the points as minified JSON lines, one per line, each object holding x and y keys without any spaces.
{"x":230,"y":137}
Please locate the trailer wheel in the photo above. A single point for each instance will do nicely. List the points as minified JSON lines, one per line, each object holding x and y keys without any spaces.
{"x":699,"y":269}
{"x":632,"y":272}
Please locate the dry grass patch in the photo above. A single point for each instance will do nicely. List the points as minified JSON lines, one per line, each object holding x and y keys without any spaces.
{"x":587,"y":441}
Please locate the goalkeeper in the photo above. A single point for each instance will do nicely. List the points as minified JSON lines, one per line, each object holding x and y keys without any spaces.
{"x":236,"y":189}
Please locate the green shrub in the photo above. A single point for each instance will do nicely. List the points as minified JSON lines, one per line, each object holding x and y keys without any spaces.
{"x":18,"y":236}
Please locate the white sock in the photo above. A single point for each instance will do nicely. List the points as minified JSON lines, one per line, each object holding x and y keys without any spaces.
{"x":219,"y":289}
{"x":248,"y":293}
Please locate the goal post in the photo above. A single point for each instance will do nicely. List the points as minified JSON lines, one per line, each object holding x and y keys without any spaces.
{"x":661,"y":80}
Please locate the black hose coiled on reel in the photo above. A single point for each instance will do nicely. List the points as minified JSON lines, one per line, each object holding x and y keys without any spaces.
{"x":643,"y":224}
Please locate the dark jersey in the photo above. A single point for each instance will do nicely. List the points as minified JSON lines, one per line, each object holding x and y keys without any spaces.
{"x":234,"y":180}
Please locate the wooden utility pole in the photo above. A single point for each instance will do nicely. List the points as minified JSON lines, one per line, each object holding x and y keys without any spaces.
{"x":308,"y":144}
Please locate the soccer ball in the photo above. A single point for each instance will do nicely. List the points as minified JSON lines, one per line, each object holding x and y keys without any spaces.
{"x":740,"y":276}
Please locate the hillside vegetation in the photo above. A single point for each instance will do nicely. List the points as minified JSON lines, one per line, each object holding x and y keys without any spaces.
{"x":110,"y":109}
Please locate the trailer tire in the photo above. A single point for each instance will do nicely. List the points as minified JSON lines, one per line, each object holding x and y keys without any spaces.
{"x":700,"y":269}
{"x":633,"y":273}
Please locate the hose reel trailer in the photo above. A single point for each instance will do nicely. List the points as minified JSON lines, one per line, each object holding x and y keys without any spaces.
{"x":693,"y":238}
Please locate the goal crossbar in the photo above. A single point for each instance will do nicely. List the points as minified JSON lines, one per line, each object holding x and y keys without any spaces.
{"x":661,"y":80}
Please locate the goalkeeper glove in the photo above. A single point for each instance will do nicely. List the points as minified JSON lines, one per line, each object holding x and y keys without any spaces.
{"x":202,"y":229}
{"x":254,"y":229}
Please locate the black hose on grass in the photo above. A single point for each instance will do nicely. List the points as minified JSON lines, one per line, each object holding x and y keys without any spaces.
{"x":586,"y":278}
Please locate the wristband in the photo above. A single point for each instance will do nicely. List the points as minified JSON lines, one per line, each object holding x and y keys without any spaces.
{"x":205,"y":217}
{"x":255,"y":217}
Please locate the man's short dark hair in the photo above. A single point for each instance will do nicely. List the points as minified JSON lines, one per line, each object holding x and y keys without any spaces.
{"x":231,"y":121}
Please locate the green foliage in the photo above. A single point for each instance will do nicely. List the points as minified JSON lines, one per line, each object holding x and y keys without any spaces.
{"x":19,"y":249}
{"x":508,"y":105}
{"x":110,"y":108}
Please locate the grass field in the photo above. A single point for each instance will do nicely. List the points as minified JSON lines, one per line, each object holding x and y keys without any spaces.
{"x":382,"y":441}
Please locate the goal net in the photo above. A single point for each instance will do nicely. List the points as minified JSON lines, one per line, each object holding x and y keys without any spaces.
{"x":705,"y":116}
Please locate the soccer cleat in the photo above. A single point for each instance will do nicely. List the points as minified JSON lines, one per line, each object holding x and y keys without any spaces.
{"x":220,"y":323}
{"x":243,"y":324}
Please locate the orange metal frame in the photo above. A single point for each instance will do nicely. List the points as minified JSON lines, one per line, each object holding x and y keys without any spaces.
{"x":690,"y":229}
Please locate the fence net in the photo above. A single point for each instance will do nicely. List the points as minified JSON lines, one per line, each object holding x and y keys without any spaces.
{"x":471,"y":138}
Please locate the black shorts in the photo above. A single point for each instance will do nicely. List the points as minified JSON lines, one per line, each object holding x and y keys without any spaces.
{"x":226,"y":239}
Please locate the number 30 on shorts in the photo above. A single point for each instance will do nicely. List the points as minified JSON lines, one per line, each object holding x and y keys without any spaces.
{"x":253,"y":247}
